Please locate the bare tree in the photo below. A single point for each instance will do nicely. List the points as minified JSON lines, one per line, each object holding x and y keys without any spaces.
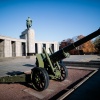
{"x":87,"y":47}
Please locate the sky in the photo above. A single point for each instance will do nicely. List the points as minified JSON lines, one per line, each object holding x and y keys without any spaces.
{"x":52,"y":20}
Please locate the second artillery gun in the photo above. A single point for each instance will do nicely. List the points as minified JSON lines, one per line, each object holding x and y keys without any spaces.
{"x":48,"y":66}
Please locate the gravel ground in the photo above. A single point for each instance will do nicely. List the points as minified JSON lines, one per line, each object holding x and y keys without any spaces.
{"x":23,"y":92}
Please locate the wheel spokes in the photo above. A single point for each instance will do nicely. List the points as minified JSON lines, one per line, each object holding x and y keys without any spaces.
{"x":40,"y":78}
{"x":64,"y":72}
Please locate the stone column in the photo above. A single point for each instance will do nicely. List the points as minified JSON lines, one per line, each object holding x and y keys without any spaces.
{"x":39,"y":47}
{"x":8,"y":48}
{"x":47,"y":47}
{"x":56,"y":47}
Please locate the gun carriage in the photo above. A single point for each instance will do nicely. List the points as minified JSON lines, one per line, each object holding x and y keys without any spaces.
{"x":48,"y":66}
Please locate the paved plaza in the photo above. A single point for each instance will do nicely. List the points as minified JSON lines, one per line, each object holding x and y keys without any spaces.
{"x":9,"y":66}
{"x":83,"y":58}
{"x":17,"y":91}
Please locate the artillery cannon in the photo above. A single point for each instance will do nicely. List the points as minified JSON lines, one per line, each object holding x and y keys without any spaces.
{"x":48,"y":66}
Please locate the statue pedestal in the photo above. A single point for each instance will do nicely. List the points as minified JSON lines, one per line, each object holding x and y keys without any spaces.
{"x":29,"y":35}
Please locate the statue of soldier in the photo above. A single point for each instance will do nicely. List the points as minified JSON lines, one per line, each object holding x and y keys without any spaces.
{"x":28,"y":23}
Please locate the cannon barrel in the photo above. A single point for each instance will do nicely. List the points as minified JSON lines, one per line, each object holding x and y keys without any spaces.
{"x":61,"y":54}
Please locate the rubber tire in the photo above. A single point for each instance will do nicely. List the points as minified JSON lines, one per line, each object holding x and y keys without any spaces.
{"x":43,"y":76}
{"x":63,"y":72}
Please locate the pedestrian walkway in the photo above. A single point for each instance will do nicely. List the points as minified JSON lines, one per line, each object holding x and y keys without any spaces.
{"x":83,"y":61}
{"x":83,"y":58}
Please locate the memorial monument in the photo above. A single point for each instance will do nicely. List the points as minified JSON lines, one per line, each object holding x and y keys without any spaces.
{"x":28,"y":23}
{"x":26,"y":45}
{"x":29,"y":35}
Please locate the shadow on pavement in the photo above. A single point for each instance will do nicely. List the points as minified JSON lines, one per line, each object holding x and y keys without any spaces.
{"x":14,"y":73}
{"x":28,"y":65}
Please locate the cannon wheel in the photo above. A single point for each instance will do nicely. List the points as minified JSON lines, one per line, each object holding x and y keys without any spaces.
{"x":40,"y":78}
{"x":64,"y":72}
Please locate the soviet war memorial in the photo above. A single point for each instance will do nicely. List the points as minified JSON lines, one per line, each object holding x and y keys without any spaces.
{"x":25,"y":46}
{"x":40,"y":59}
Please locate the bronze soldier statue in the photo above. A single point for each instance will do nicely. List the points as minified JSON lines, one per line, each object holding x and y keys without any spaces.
{"x":28,"y":23}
